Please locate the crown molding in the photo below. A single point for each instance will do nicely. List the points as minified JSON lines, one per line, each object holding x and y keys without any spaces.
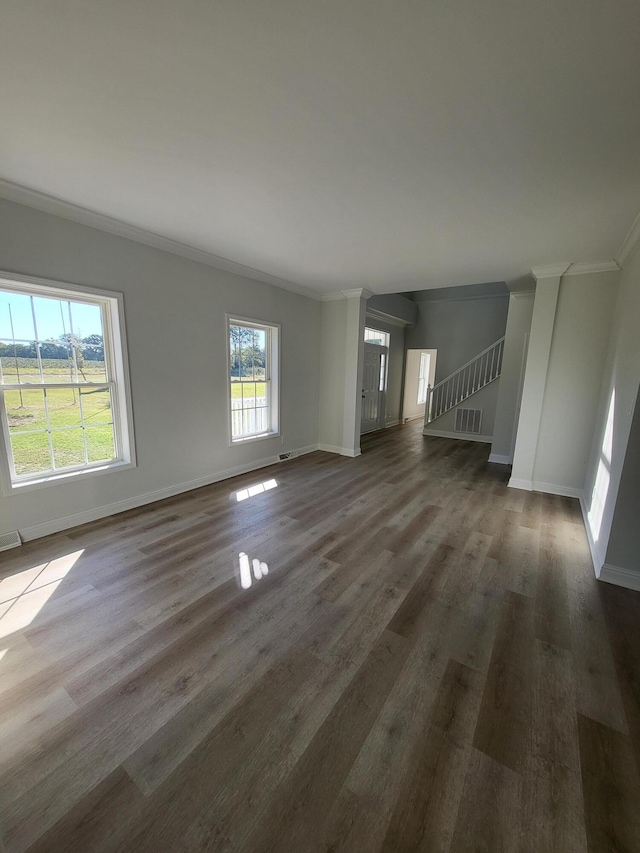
{"x":549,"y":271}
{"x":380,"y":316}
{"x":355,"y":293}
{"x":83,"y":216}
{"x":630,"y":243}
{"x":358,"y":293}
{"x":598,"y":266}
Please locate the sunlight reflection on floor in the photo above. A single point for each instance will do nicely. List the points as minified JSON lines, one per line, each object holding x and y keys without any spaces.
{"x":260,"y":569}
{"x":23,"y":595}
{"x":250,"y":491}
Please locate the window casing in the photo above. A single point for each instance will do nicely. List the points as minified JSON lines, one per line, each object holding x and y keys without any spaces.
{"x":65,"y":403}
{"x":253,"y":361}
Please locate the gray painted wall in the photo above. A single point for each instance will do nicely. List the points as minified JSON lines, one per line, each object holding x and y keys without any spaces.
{"x":484,"y":399}
{"x":394,"y":305}
{"x":581,"y":332}
{"x":180,"y":404}
{"x":458,"y":328}
{"x":333,"y":342}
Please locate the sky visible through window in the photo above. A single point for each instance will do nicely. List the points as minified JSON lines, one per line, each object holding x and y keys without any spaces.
{"x":53,"y":320}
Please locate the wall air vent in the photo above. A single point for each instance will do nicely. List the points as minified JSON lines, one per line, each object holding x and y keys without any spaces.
{"x":468,"y":420}
{"x":292,"y":454}
{"x":10,"y":540}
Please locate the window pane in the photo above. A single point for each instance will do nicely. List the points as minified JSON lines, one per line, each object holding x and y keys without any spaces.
{"x":19,"y":362}
{"x":57,"y":362}
{"x":25,"y":410}
{"x":68,"y":447}
{"x":16,"y":319}
{"x":64,"y":407}
{"x":53,"y":318}
{"x":262,"y":420}
{"x":373,"y":336}
{"x":259,"y":353}
{"x":249,"y":422}
{"x":96,"y":406}
{"x":90,"y":369}
{"x":248,"y":395}
{"x":100,"y":443}
{"x":31,"y":453}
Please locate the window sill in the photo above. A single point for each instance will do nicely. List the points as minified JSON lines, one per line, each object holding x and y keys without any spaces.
{"x":67,"y":477}
{"x":238,"y":442}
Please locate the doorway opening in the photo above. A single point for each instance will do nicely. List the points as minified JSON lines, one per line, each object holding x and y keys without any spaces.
{"x":419,"y":374}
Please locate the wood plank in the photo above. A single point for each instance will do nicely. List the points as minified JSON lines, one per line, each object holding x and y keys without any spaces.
{"x":611,"y":787}
{"x":504,"y":722}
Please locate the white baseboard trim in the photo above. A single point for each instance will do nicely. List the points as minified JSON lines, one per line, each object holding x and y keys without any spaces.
{"x":596,"y":559}
{"x":500,"y":459}
{"x":56,"y":525}
{"x":341,"y":451}
{"x":526,"y":485}
{"x":620,"y":577}
{"x":413,"y":418}
{"x":554,"y":489}
{"x":547,"y":488}
{"x":461,"y":436}
{"x":388,"y":424}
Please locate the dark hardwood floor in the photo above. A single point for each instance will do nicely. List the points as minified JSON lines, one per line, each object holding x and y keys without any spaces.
{"x":421,"y":660}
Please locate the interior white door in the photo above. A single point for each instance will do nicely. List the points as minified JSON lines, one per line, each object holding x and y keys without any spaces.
{"x":373,"y":387}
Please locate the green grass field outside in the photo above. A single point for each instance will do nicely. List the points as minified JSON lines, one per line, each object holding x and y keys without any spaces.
{"x":26,"y":412}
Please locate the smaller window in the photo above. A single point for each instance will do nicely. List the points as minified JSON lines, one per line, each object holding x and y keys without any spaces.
{"x":373,"y":336}
{"x":253,"y":379}
{"x":423,"y":379}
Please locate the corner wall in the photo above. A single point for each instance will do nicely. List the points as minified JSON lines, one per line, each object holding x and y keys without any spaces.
{"x":607,"y":467}
{"x":581,"y":334}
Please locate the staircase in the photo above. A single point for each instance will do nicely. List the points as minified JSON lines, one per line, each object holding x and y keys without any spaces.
{"x":465,"y":381}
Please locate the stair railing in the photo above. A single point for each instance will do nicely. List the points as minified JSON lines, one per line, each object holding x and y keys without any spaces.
{"x":465,"y":381}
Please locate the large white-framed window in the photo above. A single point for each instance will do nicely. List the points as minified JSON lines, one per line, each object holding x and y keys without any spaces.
{"x":253,"y":361}
{"x":65,"y":399}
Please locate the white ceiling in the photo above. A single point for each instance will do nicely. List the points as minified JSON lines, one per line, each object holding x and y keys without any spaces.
{"x":387,"y":144}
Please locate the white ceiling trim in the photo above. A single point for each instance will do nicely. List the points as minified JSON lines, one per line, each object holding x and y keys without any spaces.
{"x":380,"y":316}
{"x":631,"y":241}
{"x":549,"y":271}
{"x":599,"y":266}
{"x":64,"y":209}
{"x":357,"y":292}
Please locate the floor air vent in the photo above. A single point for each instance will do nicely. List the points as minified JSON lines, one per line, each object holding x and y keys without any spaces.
{"x":282,"y":457}
{"x":9,"y":540}
{"x":468,"y":420}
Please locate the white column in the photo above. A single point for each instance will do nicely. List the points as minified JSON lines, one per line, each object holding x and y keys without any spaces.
{"x":535,"y":379}
{"x":354,"y":365}
{"x":512,"y":376}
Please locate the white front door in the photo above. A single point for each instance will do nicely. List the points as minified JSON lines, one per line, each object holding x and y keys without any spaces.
{"x":374,"y":381}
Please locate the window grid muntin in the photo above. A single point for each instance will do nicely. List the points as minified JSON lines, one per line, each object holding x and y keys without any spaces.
{"x":107,"y":341}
